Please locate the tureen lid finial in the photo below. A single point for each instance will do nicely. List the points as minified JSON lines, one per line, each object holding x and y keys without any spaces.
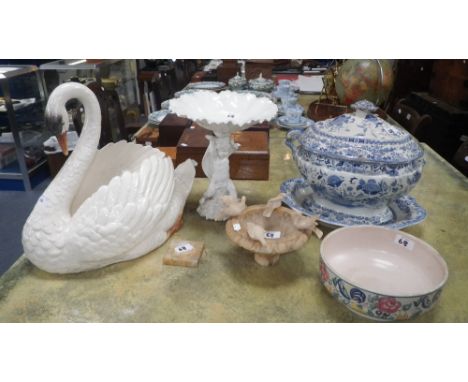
{"x":365,"y":106}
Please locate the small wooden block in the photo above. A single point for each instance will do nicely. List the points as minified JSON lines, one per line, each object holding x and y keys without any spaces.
{"x":184,"y":253}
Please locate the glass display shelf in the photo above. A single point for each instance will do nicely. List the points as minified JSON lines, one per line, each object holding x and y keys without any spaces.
{"x":22,"y":130}
{"x":114,"y":82}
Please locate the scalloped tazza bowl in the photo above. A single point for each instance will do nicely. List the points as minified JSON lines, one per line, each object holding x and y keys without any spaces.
{"x":226,"y":111}
{"x":381,"y":273}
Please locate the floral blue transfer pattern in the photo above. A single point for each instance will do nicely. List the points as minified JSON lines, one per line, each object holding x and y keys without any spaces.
{"x":299,"y":196}
{"x":373,"y":305}
{"x":357,"y":162}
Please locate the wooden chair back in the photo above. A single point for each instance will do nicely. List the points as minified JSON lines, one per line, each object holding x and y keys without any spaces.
{"x":409,"y":118}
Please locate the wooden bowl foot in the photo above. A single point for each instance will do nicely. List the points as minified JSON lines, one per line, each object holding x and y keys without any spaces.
{"x":266,"y":260}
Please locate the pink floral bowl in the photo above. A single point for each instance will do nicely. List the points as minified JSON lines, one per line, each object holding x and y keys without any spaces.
{"x":380,"y":273}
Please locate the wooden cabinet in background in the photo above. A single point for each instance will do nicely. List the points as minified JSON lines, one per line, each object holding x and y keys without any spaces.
{"x":450,"y":82}
{"x":449,"y":123}
{"x":410,"y":76}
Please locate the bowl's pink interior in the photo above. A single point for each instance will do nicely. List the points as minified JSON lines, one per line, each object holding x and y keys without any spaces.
{"x":370,"y":258}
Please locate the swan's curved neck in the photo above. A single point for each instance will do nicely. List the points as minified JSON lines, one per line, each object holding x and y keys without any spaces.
{"x":60,"y":193}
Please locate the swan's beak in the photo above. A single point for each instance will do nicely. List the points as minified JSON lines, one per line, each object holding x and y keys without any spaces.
{"x":63,"y":142}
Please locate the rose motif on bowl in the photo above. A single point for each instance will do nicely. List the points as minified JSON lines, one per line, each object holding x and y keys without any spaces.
{"x":388,"y":304}
{"x":373,"y":305}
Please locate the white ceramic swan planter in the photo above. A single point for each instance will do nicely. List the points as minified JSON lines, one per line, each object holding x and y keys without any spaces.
{"x":104,"y":206}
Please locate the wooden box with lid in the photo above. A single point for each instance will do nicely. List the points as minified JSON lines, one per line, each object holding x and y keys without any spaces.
{"x":171,"y":129}
{"x":250,"y":162}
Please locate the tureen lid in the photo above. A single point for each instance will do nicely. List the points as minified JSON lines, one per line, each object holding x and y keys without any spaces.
{"x":237,"y":79}
{"x":260,"y":81}
{"x":361,"y":136}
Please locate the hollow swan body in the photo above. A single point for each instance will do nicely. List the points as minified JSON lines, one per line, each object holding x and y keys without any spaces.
{"x":104,"y":206}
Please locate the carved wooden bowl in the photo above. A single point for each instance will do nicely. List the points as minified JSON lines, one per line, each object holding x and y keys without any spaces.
{"x":281,"y":220}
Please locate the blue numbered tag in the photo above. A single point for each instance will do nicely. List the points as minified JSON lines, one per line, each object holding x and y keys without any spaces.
{"x":184,"y":248}
{"x":272,"y":235}
{"x":404,"y":242}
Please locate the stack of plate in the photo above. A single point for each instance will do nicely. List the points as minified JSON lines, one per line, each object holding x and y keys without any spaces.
{"x":282,"y":108}
{"x":206,"y":85}
{"x":256,"y":93}
{"x":287,"y":123}
{"x":156,"y":117}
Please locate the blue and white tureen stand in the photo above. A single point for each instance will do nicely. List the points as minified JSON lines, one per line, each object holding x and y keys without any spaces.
{"x":357,"y":169}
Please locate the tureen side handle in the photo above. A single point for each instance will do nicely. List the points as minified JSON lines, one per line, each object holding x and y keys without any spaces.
{"x":291,"y":138}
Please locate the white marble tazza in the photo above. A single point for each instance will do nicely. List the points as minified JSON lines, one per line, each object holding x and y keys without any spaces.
{"x":223,"y":113}
{"x":357,"y":164}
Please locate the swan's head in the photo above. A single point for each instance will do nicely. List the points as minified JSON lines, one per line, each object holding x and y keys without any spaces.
{"x":56,"y":120}
{"x":56,"y":126}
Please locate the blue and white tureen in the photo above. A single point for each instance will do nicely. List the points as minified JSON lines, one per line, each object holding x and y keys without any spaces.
{"x":357,"y":164}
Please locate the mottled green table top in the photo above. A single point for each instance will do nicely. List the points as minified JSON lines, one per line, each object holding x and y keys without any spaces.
{"x":228,"y":286}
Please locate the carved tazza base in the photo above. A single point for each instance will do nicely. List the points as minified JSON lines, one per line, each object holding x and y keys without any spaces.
{"x":215,"y":164}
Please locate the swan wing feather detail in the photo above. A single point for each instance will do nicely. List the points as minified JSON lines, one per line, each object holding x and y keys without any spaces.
{"x":111,"y":161}
{"x":114,"y":219}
